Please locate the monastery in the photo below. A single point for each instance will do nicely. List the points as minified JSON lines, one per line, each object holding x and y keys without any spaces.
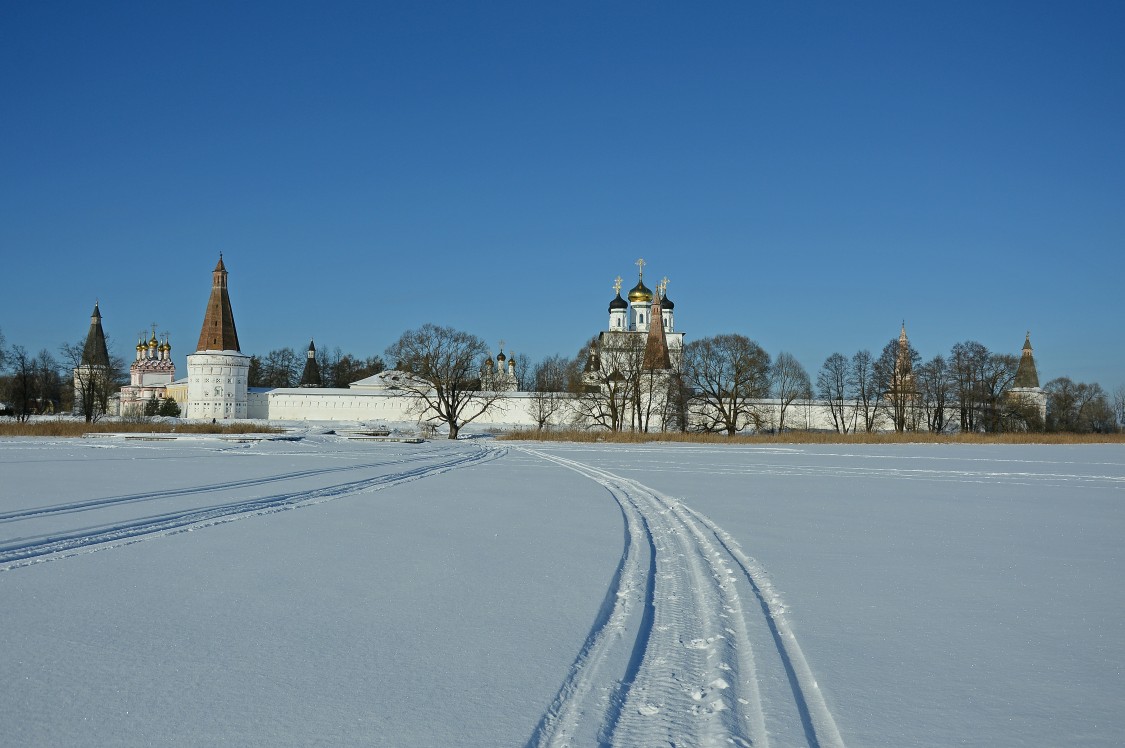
{"x":640,"y":347}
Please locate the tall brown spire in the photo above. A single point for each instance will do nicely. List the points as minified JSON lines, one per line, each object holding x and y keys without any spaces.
{"x":1026,"y":375}
{"x":95,"y":353}
{"x":656,"y":347}
{"x":218,"y":333}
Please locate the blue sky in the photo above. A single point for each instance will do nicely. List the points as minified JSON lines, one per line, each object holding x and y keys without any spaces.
{"x":807,"y":174}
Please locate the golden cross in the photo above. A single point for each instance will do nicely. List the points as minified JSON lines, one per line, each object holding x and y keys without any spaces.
{"x":501,"y":346}
{"x":640,"y":264}
{"x":663,"y":286}
{"x":617,"y":284}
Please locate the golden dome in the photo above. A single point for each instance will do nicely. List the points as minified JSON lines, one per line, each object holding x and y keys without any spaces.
{"x":640,"y":293}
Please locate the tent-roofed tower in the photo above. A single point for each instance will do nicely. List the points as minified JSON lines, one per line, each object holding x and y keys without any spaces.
{"x":1026,"y":394}
{"x":310,"y":377}
{"x":218,"y":332}
{"x":1026,"y":375}
{"x":218,"y":371}
{"x":95,"y":352}
{"x":92,"y":380}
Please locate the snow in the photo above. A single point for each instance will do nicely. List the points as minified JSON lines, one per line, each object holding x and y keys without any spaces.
{"x":502,"y":593}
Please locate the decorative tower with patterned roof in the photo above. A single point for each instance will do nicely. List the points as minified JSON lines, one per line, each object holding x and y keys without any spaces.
{"x":218,"y":371}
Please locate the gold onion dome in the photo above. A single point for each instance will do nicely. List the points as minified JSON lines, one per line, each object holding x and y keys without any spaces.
{"x":640,"y":293}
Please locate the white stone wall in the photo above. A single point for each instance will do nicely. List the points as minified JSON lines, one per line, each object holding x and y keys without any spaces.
{"x":217,"y":385}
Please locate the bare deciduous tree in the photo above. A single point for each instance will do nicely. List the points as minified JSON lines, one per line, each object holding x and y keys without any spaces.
{"x":1078,"y":407}
{"x":445,"y":379}
{"x":790,"y":382}
{"x":867,"y":392}
{"x":727,"y":374}
{"x":966,"y":361}
{"x":95,"y":380}
{"x":834,"y":387}
{"x":894,"y":375}
{"x":548,"y":386}
{"x":935,"y":392}
{"x":21,"y":385}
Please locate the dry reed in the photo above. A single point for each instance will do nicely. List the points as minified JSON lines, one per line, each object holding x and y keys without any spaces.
{"x":813,"y":437}
{"x":71,"y":428}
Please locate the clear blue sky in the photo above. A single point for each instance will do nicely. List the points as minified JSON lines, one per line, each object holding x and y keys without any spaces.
{"x":807,"y":174}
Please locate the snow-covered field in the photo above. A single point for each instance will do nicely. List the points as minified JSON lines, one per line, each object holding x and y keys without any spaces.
{"x":481,"y":593}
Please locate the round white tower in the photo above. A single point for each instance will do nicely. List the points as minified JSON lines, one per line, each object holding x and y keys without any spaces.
{"x":218,"y":372}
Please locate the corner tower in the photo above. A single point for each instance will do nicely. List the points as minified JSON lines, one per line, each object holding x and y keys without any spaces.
{"x":1026,"y":393}
{"x":92,"y":380}
{"x":218,"y":371}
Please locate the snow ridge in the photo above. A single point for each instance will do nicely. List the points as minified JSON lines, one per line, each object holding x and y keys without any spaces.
{"x":696,"y":681}
{"x":28,"y":551}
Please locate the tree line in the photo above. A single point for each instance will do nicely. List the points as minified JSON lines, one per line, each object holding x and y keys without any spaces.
{"x":43,"y":383}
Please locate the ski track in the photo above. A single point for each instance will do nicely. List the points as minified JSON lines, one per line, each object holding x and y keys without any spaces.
{"x":692,"y":678}
{"x":79,"y":506}
{"x":64,"y":545}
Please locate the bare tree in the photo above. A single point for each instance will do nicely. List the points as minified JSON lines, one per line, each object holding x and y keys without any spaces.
{"x":1119,"y":406}
{"x":1077,"y":407}
{"x":548,"y":386}
{"x":834,"y":386}
{"x":281,"y":367}
{"x":868,"y":394}
{"x":727,"y":374}
{"x":790,"y":381}
{"x":48,"y":383}
{"x":935,"y":392}
{"x":998,"y":371}
{"x":21,"y":386}
{"x":445,"y":379}
{"x":894,"y":376}
{"x":96,"y":378}
{"x":610,"y":387}
{"x":967,"y":361}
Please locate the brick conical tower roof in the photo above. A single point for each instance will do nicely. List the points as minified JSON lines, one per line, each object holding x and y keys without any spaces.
{"x":1026,"y":375}
{"x":218,"y":333}
{"x":656,"y":347}
{"x":95,"y":353}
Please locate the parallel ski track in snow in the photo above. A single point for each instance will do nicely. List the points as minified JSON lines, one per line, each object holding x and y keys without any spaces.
{"x":692,"y":678}
{"x":62,"y":545}
{"x":78,"y":506}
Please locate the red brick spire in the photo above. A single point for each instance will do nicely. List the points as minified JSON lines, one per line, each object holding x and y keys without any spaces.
{"x":218,"y":333}
{"x":656,"y":347}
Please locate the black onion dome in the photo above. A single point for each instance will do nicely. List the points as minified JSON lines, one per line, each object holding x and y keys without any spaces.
{"x":618,"y":303}
{"x":666,"y":303}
